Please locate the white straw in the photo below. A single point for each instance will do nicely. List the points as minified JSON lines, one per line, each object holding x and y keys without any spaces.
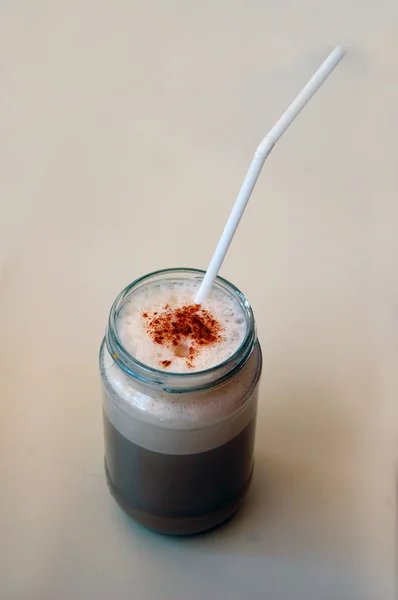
{"x":256,"y":165}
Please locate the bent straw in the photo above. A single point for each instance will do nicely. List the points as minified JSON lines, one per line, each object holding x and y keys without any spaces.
{"x":256,"y":165}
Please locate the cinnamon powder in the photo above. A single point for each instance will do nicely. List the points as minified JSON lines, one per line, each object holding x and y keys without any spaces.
{"x":185,"y":329}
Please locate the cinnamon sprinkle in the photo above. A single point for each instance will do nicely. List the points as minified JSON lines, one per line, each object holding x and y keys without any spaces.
{"x":185,"y":329}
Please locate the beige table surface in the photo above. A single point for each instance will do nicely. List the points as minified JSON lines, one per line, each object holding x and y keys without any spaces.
{"x":126,"y":128}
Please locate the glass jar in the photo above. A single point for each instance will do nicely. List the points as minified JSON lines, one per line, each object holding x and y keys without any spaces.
{"x":179,"y":446}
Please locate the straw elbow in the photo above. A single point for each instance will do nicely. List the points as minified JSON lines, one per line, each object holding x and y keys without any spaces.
{"x":265,"y":146}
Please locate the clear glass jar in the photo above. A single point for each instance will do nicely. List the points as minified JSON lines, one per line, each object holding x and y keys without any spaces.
{"x":179,"y":446}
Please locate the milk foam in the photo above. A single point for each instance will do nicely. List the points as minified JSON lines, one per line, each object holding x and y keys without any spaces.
{"x":179,"y":423}
{"x":152,"y":298}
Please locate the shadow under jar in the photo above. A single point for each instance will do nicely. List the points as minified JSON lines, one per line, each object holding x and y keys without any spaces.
{"x":179,"y":446}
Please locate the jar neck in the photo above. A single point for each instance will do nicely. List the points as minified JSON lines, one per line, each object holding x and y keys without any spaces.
{"x":180,"y":382}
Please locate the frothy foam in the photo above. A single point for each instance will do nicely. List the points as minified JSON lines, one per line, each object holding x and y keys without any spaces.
{"x":179,"y":423}
{"x":151,"y":300}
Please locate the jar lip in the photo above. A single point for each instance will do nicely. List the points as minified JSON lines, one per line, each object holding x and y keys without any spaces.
{"x":151,"y":374}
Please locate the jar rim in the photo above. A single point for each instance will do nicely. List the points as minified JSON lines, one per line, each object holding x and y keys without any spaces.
{"x":180,"y":382}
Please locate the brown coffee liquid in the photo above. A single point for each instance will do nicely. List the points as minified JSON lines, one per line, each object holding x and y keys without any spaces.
{"x":179,"y":493}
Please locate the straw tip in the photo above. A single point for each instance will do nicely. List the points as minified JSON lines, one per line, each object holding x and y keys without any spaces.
{"x":340,"y":50}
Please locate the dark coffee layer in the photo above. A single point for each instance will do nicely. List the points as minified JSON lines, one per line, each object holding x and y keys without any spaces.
{"x":179,"y":493}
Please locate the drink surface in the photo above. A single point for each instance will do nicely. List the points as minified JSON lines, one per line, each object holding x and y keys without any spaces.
{"x":160,"y":326}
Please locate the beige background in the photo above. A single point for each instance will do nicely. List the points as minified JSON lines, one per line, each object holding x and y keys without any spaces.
{"x":126,"y":128}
